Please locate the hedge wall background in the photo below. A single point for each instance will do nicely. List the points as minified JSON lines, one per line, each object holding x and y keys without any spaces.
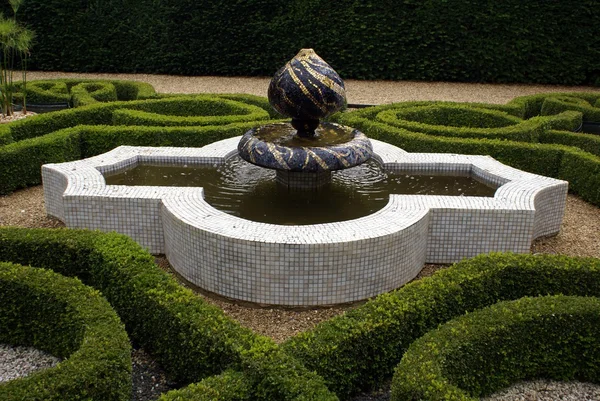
{"x":538,"y":41}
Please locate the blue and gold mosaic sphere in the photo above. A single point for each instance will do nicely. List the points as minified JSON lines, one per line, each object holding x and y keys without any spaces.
{"x":307,"y":88}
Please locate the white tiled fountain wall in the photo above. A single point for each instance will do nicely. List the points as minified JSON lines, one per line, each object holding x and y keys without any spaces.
{"x":314,"y":264}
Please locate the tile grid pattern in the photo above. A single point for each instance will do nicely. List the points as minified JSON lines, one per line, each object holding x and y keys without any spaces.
{"x":307,"y":265}
{"x":303,"y":180}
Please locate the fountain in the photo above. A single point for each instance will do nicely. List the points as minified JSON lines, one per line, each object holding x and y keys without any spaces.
{"x":324,"y":262}
{"x":305,"y":151}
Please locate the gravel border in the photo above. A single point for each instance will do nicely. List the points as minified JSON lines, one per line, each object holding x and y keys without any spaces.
{"x":19,"y":361}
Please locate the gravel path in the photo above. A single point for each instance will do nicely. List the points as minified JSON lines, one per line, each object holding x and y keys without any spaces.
{"x":22,"y":361}
{"x":578,"y":237}
{"x":361,"y":92}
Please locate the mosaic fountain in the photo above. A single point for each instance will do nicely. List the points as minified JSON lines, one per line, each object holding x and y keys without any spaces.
{"x":297,"y":264}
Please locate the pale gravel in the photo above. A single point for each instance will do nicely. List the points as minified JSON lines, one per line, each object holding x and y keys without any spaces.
{"x":546,"y":390}
{"x":19,"y":361}
{"x":358,"y":92}
{"x":578,"y":236}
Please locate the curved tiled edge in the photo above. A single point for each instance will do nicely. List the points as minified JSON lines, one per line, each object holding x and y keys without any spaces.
{"x":315,"y":264}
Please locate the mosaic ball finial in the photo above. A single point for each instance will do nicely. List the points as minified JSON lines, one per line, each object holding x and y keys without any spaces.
{"x":306,"y":89}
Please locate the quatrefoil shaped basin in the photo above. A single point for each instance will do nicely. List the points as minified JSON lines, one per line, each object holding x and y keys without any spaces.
{"x":307,"y":265}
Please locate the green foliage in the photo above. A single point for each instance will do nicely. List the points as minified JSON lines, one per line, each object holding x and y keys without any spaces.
{"x":188,"y":111}
{"x":582,"y":170}
{"x":87,"y":93}
{"x":15,"y":43}
{"x":477,"y":354}
{"x":61,"y":316}
{"x":41,"y":92}
{"x":540,"y":144}
{"x":190,"y":338}
{"x":88,"y":131}
{"x":438,"y":40}
{"x":532,"y":104}
{"x":556,"y":104}
{"x":228,"y":386}
{"x":81,"y":92}
{"x":587,"y":142}
{"x":359,"y":349}
{"x":462,"y":121}
{"x":20,"y":162}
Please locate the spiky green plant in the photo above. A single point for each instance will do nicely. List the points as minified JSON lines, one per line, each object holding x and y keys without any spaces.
{"x":15,"y":41}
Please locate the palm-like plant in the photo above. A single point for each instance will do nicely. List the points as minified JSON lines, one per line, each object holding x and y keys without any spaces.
{"x":15,"y":41}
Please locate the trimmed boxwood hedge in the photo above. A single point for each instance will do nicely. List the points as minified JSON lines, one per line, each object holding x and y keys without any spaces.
{"x":358,"y":350}
{"x":77,"y":91}
{"x":556,"y":104}
{"x":463,"y":122}
{"x":438,"y":40}
{"x":532,"y":105}
{"x":63,"y":317}
{"x":191,"y":339}
{"x":43,"y":92}
{"x":87,"y":131}
{"x":552,"y":157}
{"x":188,"y":111}
{"x":87,"y":93}
{"x":554,"y":337}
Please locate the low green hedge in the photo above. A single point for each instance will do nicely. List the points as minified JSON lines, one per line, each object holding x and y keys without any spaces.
{"x":63,"y":317}
{"x":582,"y":170}
{"x":71,"y":91}
{"x":532,"y":105}
{"x":462,"y":121}
{"x":188,"y":111}
{"x":87,"y":131}
{"x":533,"y":157}
{"x":43,"y":92}
{"x":358,"y":350}
{"x":87,"y":93}
{"x":553,"y":160}
{"x":20,"y":162}
{"x":556,"y":104}
{"x":229,"y":386}
{"x":587,"y":142}
{"x":191,"y":339}
{"x":554,"y":337}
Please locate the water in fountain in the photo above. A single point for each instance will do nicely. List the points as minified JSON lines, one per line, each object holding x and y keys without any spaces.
{"x":289,"y":178}
{"x":251,"y":192}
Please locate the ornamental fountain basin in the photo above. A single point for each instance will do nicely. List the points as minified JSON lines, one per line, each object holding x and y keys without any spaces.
{"x":308,"y":265}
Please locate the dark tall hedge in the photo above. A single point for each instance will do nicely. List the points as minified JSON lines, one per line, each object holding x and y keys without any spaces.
{"x":456,"y":40}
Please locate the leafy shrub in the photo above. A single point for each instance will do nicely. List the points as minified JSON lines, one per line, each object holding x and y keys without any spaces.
{"x":83,"y":132}
{"x":582,"y":170}
{"x":191,"y":339}
{"x":60,"y":91}
{"x":587,"y":142}
{"x":87,"y":93}
{"x":188,"y":111}
{"x":477,"y":354}
{"x":556,"y":104}
{"x":462,"y":121}
{"x":532,"y":104}
{"x":43,"y":92}
{"x":359,"y":349}
{"x":549,"y":158}
{"x":436,"y":40}
{"x":69,"y":320}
